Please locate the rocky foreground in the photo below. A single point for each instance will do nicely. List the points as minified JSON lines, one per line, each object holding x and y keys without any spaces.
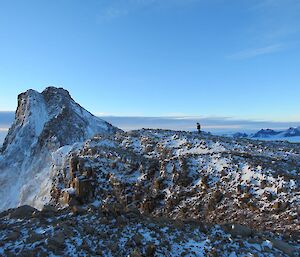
{"x":182,"y":175}
{"x":94,"y":231}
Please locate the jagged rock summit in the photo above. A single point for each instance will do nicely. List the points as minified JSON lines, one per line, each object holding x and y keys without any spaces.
{"x":44,"y":122}
{"x":54,"y":116}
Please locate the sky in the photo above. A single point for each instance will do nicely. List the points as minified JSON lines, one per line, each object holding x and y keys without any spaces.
{"x":237,"y":59}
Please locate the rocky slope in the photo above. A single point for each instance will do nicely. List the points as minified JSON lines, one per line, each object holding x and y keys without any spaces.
{"x":44,"y":122}
{"x":182,"y":175}
{"x":92,"y":231}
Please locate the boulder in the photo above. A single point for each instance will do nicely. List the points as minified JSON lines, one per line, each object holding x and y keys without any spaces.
{"x":73,"y":166}
{"x":150,"y":250}
{"x":84,"y":189}
{"x":73,"y":202}
{"x":138,"y":238}
{"x":148,"y":206}
{"x":57,"y":242}
{"x":78,"y":210}
{"x":284,"y":247}
{"x":216,"y":197}
{"x":238,"y":230}
{"x":12,"y":236}
{"x":22,"y":212}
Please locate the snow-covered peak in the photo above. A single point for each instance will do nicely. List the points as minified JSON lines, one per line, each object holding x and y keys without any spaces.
{"x":291,"y":132}
{"x":44,"y":122}
{"x":30,"y":118}
{"x":265,"y":133}
{"x":52,"y":113}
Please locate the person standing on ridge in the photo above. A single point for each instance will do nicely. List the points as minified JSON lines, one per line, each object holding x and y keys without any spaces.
{"x":198,"y":127}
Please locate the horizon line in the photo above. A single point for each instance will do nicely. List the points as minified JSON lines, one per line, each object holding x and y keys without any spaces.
{"x":189,"y":117}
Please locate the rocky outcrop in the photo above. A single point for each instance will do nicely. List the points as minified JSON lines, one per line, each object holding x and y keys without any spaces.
{"x":22,"y":212}
{"x":187,"y":178}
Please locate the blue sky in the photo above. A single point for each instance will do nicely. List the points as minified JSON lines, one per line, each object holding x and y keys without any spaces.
{"x":205,"y":58}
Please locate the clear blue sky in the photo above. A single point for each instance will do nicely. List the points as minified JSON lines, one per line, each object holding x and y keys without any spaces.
{"x":238,"y":58}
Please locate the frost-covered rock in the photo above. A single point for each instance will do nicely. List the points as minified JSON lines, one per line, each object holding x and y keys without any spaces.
{"x":44,"y":122}
{"x":182,"y":175}
{"x":98,"y":233}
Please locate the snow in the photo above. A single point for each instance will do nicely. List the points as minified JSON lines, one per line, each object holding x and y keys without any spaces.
{"x":267,"y":244}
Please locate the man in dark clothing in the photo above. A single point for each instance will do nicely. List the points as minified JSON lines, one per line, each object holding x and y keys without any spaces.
{"x":198,"y":127}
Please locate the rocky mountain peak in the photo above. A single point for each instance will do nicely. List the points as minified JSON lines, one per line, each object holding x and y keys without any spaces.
{"x":52,"y":113}
{"x":44,"y":122}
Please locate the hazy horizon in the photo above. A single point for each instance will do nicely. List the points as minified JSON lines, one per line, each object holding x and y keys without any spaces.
{"x":216,"y":125}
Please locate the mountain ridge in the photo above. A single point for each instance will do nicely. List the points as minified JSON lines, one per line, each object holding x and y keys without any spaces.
{"x":291,"y":134}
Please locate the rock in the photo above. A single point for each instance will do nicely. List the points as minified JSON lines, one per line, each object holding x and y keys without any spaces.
{"x":78,"y":210}
{"x":158,"y":183}
{"x":12,"y":236}
{"x":137,"y":238}
{"x":279,"y":206}
{"x":28,"y":253}
{"x":73,"y":166}
{"x":150,"y":250}
{"x":57,"y":242}
{"x":148,"y":206}
{"x":34,"y":237}
{"x":67,"y":230}
{"x":22,"y":212}
{"x":48,"y":211}
{"x":84,"y":189}
{"x":89,"y":230}
{"x":270,"y":197}
{"x":73,"y":202}
{"x":284,"y":247}
{"x":218,"y":196}
{"x":245,"y":198}
{"x":136,"y":253}
{"x":59,"y":237}
{"x":214,"y":200}
{"x":238,"y":230}
{"x":276,"y":206}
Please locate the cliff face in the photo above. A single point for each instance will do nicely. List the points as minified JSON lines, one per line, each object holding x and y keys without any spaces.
{"x":44,"y":122}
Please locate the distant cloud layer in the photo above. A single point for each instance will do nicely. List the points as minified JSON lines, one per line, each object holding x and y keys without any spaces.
{"x":213,"y":124}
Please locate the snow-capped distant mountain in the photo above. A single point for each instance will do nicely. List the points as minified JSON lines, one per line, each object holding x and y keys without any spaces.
{"x":239,"y":135}
{"x":44,"y":122}
{"x":292,"y":132}
{"x":291,"y":135}
{"x":265,"y":133}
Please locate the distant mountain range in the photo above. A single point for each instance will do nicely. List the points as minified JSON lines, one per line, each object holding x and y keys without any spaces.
{"x":291,"y":134}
